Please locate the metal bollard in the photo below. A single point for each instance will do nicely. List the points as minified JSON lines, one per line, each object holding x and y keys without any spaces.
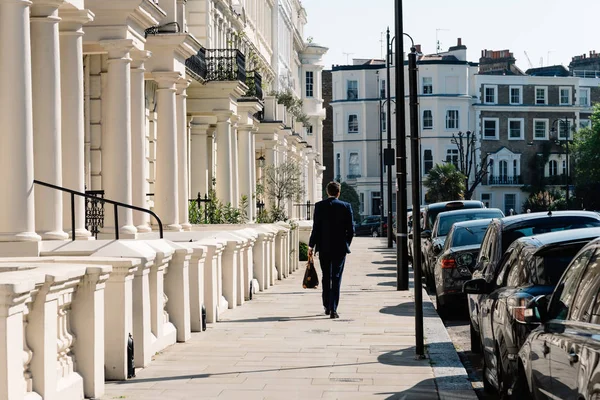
{"x":203,"y":317}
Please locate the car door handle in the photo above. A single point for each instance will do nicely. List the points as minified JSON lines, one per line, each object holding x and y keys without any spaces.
{"x":573,"y":358}
{"x":546,"y":350}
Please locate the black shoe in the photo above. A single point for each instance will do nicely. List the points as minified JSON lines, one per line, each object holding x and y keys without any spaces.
{"x":333,"y":315}
{"x":327,"y":312}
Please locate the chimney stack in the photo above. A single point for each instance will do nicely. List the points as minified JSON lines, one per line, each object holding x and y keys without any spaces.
{"x":459,"y":42}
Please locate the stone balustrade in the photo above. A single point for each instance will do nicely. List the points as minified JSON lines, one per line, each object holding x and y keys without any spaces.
{"x":58,"y":338}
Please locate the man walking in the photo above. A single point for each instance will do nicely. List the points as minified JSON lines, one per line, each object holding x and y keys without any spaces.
{"x":332,"y":233}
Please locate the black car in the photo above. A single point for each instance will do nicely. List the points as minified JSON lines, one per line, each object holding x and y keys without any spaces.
{"x":561,"y":358}
{"x":500,"y":235}
{"x":370,"y":226}
{"x":429,"y":215}
{"x":531,"y":267}
{"x":456,"y":262}
{"x":435,"y":239}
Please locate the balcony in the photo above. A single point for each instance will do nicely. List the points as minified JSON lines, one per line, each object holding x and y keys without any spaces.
{"x":254,"y":83}
{"x":225,"y":65}
{"x":353,"y":176}
{"x":196,"y":66}
{"x":555,"y":180}
{"x":505,"y":180}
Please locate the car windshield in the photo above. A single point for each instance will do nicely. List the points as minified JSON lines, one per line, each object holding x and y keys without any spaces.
{"x":445,"y":222}
{"x":545,"y":225}
{"x":468,"y":236}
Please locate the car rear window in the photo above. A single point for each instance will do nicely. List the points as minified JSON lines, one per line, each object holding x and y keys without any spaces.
{"x":457,"y":205}
{"x":446,"y":222}
{"x":468,"y":236}
{"x":548,"y":268}
{"x":545,"y":225}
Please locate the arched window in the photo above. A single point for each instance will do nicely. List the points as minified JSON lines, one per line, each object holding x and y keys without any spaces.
{"x":503,"y":169}
{"x":553,"y":168}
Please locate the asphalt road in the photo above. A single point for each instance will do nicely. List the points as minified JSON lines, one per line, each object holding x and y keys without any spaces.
{"x":458,"y":329}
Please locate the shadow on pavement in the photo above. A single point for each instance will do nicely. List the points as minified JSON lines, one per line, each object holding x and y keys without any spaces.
{"x":384,"y":262}
{"x":429,"y":389}
{"x":382,"y":275}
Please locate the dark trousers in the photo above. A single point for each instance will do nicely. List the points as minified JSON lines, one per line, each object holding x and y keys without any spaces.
{"x":332,"y":268}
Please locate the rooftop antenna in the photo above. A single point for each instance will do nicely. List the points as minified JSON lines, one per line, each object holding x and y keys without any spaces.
{"x":438,"y":45}
{"x":347,"y":55}
{"x":528,"y":60}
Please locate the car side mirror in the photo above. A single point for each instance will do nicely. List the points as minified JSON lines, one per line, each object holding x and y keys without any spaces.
{"x":476,"y":286}
{"x":426,"y":234}
{"x":537,"y":310}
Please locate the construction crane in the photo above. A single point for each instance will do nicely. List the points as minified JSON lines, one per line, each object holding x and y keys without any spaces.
{"x":528,"y":60}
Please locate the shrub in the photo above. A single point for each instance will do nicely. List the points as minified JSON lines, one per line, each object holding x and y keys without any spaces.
{"x":303,"y":251}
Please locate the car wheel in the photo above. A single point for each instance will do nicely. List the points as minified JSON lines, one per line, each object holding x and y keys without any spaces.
{"x":475,"y":340}
{"x":442,"y":310}
{"x":487,"y":385}
{"x":520,"y":389}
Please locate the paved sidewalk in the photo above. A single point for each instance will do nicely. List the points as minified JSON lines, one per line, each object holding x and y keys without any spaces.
{"x":281,"y":346}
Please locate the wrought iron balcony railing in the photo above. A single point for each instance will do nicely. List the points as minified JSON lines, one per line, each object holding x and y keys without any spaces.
{"x":353,"y":176}
{"x":505,"y":180}
{"x":225,"y":65}
{"x":196,"y":65}
{"x":254,"y":83}
{"x":555,"y":179}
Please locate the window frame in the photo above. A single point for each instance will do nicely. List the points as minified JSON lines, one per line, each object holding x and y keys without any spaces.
{"x":309,"y":83}
{"x":359,"y":165}
{"x":448,"y":111}
{"x":382,"y":90}
{"x":423,"y":85}
{"x":425,"y":161}
{"x":510,"y":89}
{"x":550,"y":164}
{"x":348,"y":89}
{"x":495,"y":94}
{"x":546,"y":122}
{"x":569,"y":135}
{"x":348,"y":116}
{"x":522,"y":129}
{"x":535,"y":97}
{"x":589,"y":92}
{"x":569,"y":90}
{"x":453,"y":153}
{"x":423,"y":120}
{"x":496,"y":129}
{"x":383,"y":115}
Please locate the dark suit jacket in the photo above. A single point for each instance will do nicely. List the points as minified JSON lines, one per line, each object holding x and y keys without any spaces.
{"x":333,"y":228}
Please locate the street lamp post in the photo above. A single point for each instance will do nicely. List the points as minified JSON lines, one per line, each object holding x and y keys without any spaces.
{"x":389,"y":151}
{"x":557,"y":140}
{"x":381,"y":209}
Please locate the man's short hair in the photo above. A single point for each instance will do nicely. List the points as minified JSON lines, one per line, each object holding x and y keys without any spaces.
{"x":333,"y":188}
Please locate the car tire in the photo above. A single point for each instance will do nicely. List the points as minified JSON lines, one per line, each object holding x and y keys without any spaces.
{"x":441,"y":308}
{"x":487,"y":385}
{"x":475,"y":340}
{"x":520,"y":389}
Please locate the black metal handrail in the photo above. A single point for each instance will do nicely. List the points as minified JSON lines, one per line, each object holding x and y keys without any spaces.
{"x":196,"y":65}
{"x":309,"y":206}
{"x":157,"y":29}
{"x":116,"y":204}
{"x":254,"y":83}
{"x":225,"y":65}
{"x":199,"y":200}
{"x":505,"y":180}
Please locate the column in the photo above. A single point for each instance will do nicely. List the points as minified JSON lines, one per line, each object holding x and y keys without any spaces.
{"x":72,"y":115}
{"x":182,"y":150}
{"x":166,"y":195}
{"x":211,"y":156}
{"x":224,"y":162}
{"x":254,"y":180}
{"x":45,"y":69}
{"x":116,"y":136}
{"x":235,"y":180}
{"x":199,"y":158}
{"x":139,"y":169}
{"x":246,"y":166}
{"x":16,"y":163}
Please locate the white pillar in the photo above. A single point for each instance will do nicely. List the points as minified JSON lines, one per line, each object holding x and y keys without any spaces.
{"x":72,"y":115}
{"x":224,"y":163}
{"x":45,"y":61}
{"x":246,"y":166}
{"x":235,"y":180}
{"x":254,"y":180}
{"x":166,"y":195}
{"x":199,"y":159}
{"x":139,"y":170}
{"x":182,"y":151}
{"x":16,"y":142}
{"x":116,"y":137}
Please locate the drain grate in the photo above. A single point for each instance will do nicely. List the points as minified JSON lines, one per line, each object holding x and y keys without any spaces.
{"x":346,"y":379}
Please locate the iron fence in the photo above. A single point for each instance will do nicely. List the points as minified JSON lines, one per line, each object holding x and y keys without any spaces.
{"x":225,"y":65}
{"x":254,"y":83}
{"x":196,"y":65}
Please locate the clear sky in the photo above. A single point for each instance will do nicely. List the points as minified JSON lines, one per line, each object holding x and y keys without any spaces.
{"x":552,"y":30}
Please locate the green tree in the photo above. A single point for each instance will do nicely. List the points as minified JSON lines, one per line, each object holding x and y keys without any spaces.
{"x":281,"y":184}
{"x":349,"y":194}
{"x":586,"y":153}
{"x":444,"y":183}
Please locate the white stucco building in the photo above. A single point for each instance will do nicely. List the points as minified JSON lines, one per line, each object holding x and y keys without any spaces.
{"x":146,"y":103}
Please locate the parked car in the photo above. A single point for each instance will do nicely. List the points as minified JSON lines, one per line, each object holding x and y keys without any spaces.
{"x":561,"y":358}
{"x":500,"y":235}
{"x":455,"y":264}
{"x":532,"y":266}
{"x":433,"y":240}
{"x":368,"y":226}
